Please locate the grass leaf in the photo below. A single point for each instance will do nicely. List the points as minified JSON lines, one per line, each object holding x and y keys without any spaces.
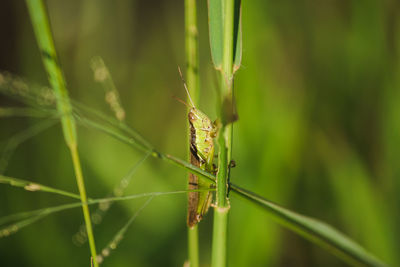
{"x":316,"y":231}
{"x":216,"y":27}
{"x":216,"y":33}
{"x":32,"y":186}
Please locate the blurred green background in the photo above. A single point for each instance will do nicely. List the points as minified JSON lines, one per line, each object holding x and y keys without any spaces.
{"x":318,"y":132}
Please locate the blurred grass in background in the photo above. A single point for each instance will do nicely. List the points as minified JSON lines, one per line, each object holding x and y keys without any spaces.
{"x":318,"y":130}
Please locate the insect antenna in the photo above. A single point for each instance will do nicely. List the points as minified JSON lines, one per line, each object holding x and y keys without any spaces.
{"x":184,"y":84}
{"x":180,"y":100}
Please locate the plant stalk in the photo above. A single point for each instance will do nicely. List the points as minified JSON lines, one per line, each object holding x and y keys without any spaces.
{"x":219,"y":236}
{"x":84,"y":200}
{"x":192,"y":74}
{"x":193,"y":241}
{"x":192,"y":50}
{"x":41,"y":26}
{"x":221,"y":210}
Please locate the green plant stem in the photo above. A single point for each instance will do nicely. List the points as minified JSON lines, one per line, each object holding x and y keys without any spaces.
{"x":191,"y":49}
{"x":84,"y":200}
{"x":193,"y":241}
{"x":219,"y":237}
{"x":41,"y":26}
{"x":221,"y":209}
{"x":221,"y":181}
{"x":44,"y":38}
{"x":227,"y":60}
{"x":192,"y":73}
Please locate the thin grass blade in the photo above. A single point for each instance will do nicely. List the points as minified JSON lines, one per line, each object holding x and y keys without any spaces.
{"x":32,"y":186}
{"x":316,"y":231}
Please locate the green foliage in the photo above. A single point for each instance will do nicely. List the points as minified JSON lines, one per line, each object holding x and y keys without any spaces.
{"x":216,"y":31}
{"x":318,"y":104}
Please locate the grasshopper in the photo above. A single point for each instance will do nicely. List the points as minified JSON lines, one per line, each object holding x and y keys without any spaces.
{"x":202,"y":132}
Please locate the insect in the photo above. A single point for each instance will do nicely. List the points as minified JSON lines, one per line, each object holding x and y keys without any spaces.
{"x":202,"y":132}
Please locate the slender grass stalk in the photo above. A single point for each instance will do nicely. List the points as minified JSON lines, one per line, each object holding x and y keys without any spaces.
{"x":21,"y":112}
{"x":192,"y":50}
{"x":192,"y":74}
{"x":41,"y":26}
{"x":84,"y":199}
{"x":193,"y":245}
{"x":227,"y":60}
{"x":221,"y":210}
{"x":31,"y":186}
{"x":219,"y":237}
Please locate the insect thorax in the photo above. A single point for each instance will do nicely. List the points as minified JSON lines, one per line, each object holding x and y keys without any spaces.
{"x":202,"y":131}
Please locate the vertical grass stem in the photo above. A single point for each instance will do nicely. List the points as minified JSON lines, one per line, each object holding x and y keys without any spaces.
{"x":192,"y":73}
{"x":193,"y":240}
{"x":221,"y":209}
{"x":41,"y":26}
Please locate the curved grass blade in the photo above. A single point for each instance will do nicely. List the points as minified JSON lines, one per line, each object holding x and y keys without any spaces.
{"x":21,"y":112}
{"x":112,"y":132}
{"x":13,"y":228}
{"x":31,"y":186}
{"x":21,"y":216}
{"x":83,"y":112}
{"x":316,"y":231}
{"x":44,"y":38}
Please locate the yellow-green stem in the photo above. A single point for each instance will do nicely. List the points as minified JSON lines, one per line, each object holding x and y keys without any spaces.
{"x":218,"y":258}
{"x":41,"y":26}
{"x":227,"y":60}
{"x":191,"y":47}
{"x":84,"y":200}
{"x":193,"y":240}
{"x":219,"y":237}
{"x":192,"y":74}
